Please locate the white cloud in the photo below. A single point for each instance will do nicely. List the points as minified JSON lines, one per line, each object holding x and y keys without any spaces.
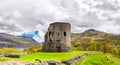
{"x":18,"y":16}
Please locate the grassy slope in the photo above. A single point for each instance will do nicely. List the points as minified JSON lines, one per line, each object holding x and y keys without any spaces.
{"x":116,"y":60}
{"x":99,"y":58}
{"x":95,"y":58}
{"x":50,"y":56}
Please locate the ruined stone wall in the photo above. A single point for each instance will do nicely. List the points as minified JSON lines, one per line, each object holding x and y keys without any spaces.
{"x":57,"y":39}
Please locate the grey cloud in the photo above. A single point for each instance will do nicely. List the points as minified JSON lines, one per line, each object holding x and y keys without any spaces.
{"x":10,"y":27}
{"x":29,"y":15}
{"x":108,"y":6}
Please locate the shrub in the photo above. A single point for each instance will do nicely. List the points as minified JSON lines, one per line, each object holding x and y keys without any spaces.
{"x":33,"y":48}
{"x":9,"y":50}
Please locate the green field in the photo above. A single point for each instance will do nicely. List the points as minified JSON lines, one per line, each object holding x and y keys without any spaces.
{"x":95,"y":58}
{"x":99,"y":58}
{"x":51,"y":56}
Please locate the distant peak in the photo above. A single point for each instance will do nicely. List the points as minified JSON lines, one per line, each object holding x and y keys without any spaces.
{"x":91,"y":30}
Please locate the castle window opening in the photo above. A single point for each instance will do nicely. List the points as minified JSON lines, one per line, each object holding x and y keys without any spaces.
{"x":58,"y":34}
{"x":49,"y":33}
{"x":64,"y":33}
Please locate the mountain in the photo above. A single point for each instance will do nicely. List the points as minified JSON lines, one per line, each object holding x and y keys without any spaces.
{"x":7,"y":40}
{"x":90,"y":33}
{"x":94,"y":40}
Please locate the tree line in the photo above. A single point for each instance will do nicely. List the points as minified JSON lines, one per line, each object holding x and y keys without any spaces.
{"x":106,"y":45}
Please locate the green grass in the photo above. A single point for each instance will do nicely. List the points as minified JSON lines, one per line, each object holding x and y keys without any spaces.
{"x":95,"y":58}
{"x":99,"y":58}
{"x":50,"y":56}
{"x":17,"y":52}
{"x":115,"y":59}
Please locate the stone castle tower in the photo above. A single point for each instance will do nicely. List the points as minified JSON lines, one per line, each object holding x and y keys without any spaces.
{"x":57,"y":39}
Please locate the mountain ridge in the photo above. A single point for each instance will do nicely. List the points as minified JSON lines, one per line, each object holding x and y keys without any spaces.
{"x":7,"y":40}
{"x":90,"y":33}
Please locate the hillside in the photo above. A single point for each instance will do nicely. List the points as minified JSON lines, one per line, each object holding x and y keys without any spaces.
{"x":101,"y":48}
{"x":7,"y":40}
{"x":93,"y":40}
{"x":90,"y":33}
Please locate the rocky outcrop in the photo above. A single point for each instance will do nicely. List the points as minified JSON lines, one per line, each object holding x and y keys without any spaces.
{"x":72,"y":60}
{"x":11,"y":63}
{"x":12,"y":55}
{"x":57,"y":39}
{"x":41,"y":62}
{"x":53,"y":62}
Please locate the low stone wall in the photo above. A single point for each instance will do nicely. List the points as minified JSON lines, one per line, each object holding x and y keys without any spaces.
{"x":74,"y":60}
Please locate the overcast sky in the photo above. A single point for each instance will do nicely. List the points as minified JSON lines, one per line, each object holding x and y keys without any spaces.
{"x":18,"y":16}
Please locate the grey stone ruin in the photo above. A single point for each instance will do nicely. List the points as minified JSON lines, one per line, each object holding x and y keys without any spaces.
{"x":57,"y":38}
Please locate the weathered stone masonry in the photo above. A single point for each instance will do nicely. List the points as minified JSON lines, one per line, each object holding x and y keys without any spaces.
{"x":57,"y":39}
